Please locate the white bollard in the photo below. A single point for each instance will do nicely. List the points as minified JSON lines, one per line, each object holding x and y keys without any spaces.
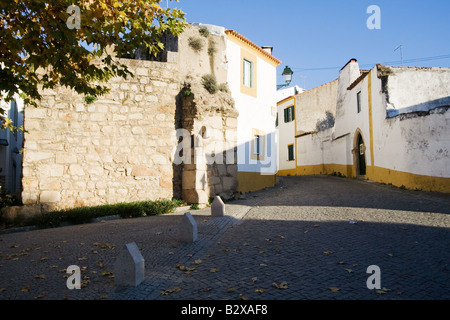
{"x":187,"y":228}
{"x":129,"y":268}
{"x":217,"y":207}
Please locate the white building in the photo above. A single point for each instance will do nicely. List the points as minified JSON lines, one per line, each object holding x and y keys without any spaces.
{"x":387,"y":124}
{"x":252,"y":73}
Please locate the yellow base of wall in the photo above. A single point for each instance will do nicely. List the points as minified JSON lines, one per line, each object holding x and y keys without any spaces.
{"x":377,"y":174}
{"x":409,"y":180}
{"x":253,"y":181}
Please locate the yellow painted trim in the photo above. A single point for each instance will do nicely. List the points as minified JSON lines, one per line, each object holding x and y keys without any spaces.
{"x":253,"y":181}
{"x":287,"y":172}
{"x":253,"y":91}
{"x":410,"y":180}
{"x":253,"y":48}
{"x":261,"y":156}
{"x":382,"y":175}
{"x":285,"y":100}
{"x":295,"y":132}
{"x":372,"y":161}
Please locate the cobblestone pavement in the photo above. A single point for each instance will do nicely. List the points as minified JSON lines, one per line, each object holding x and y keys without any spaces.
{"x":308,"y":238}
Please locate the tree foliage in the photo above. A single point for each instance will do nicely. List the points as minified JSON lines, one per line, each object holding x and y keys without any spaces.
{"x":40,"y":48}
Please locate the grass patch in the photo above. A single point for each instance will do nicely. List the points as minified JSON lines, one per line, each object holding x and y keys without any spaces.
{"x":196,"y":44}
{"x":204,"y":32}
{"x":87,"y":214}
{"x":210,"y":83}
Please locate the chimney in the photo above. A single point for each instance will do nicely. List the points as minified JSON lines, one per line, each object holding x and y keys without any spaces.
{"x":267,"y":49}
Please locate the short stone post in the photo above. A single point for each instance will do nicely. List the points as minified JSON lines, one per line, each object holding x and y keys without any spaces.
{"x":217,"y":207}
{"x":188,"y":228}
{"x":129,"y":268}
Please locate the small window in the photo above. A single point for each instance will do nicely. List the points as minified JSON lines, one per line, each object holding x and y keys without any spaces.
{"x":289,"y":114}
{"x":248,"y":73}
{"x":291,"y":152}
{"x":358,"y":101}
{"x":257,"y":148}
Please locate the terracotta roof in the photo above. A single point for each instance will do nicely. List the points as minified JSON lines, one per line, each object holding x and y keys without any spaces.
{"x":258,"y":48}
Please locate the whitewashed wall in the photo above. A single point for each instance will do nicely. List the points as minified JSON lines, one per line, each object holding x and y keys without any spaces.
{"x":286,"y":136}
{"x":253,"y":112}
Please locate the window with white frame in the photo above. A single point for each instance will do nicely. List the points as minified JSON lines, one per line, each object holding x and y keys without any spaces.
{"x":248,"y":73}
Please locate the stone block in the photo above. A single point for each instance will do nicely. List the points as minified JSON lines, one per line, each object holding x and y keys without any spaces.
{"x":36,"y":156}
{"x":187,"y":229}
{"x":230,"y":183}
{"x":217,"y":207}
{"x":66,"y":158}
{"x":141,"y":171}
{"x":50,"y":196}
{"x":129,"y":268}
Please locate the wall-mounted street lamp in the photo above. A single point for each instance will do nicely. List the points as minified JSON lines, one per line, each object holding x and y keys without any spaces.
{"x":287,"y":75}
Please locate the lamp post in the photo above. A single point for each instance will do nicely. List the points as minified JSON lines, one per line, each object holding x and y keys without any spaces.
{"x":287,"y":75}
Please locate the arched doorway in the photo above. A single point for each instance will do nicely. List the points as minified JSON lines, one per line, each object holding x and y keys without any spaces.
{"x":359,"y":154}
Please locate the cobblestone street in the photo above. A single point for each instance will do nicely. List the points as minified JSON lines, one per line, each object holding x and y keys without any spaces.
{"x":307,"y":238}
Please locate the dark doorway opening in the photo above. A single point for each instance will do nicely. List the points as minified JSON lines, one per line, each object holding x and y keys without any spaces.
{"x":361,"y":149}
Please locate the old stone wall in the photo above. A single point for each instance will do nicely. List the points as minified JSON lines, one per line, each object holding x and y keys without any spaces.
{"x":119,"y":148}
{"x":122,"y":146}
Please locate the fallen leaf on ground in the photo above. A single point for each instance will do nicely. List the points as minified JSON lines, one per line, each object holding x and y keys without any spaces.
{"x":213,"y":270}
{"x":327,"y":252}
{"x":334,"y":289}
{"x":171,"y":290}
{"x":25,"y":289}
{"x":82,"y":258}
{"x":254,"y":279}
{"x":40,"y":296}
{"x":39,"y":276}
{"x":282,"y":285}
{"x":341,"y":262}
{"x":184,"y":268}
{"x":198,"y":261}
{"x":349,"y":270}
{"x":383,"y":291}
{"x":230,"y":290}
{"x":259,"y":290}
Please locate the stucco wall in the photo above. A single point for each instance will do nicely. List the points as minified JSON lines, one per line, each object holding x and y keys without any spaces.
{"x":313,"y":104}
{"x":286,"y":136}
{"x":413,"y":142}
{"x":410,"y":148}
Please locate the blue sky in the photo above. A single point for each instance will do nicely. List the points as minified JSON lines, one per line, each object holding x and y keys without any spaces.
{"x":328,"y":33}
